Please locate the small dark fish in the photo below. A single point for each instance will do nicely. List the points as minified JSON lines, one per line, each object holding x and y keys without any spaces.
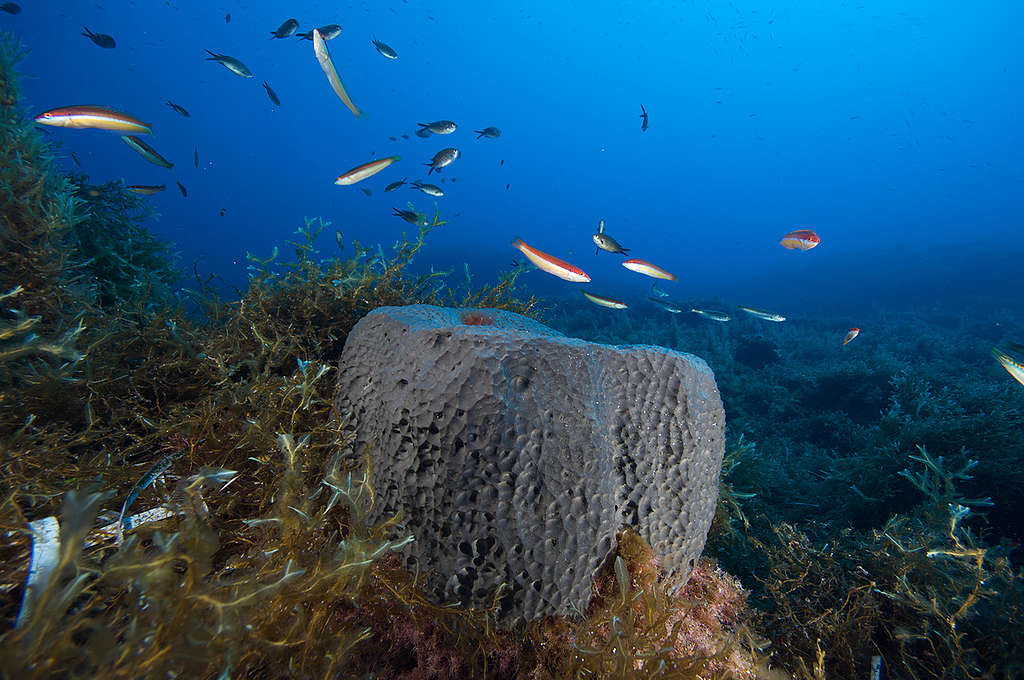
{"x":184,"y":193}
{"x":643,"y":125}
{"x":488,"y":132}
{"x":606,"y":242}
{"x":384,"y":49}
{"x":222,"y":211}
{"x":227,"y":18}
{"x":328,"y":32}
{"x":195,"y":156}
{"x":407,"y":215}
{"x":75,"y":159}
{"x":507,"y":186}
{"x":439,"y":127}
{"x":101,"y":39}
{"x":502,"y":162}
{"x":286,"y":29}
{"x":366,"y":191}
{"x":145,"y":189}
{"x":179,"y":109}
{"x":393,"y":139}
{"x":230,"y":63}
{"x":395,"y":185}
{"x":422,"y":132}
{"x":405,"y":136}
{"x":11,"y":8}
{"x":453,"y":180}
{"x":442,"y":158}
{"x":271,"y":94}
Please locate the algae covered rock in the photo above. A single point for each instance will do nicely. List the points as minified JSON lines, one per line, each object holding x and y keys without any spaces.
{"x":515,"y":454}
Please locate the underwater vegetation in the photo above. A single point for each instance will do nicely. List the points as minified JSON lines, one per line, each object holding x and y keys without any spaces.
{"x":121,"y":397}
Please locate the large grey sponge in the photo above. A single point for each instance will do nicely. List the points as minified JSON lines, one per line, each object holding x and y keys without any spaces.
{"x":515,"y":453}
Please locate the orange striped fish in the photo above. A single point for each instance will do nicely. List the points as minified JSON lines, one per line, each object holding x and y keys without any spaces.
{"x":361,"y":172}
{"x":647,"y":269}
{"x":324,"y":57}
{"x":801,"y":239}
{"x":99,"y":117}
{"x":551,"y":264}
{"x":850,"y":335}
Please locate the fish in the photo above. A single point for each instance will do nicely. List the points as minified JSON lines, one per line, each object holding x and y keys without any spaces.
{"x":146,"y":189}
{"x":429,"y":189}
{"x":329,"y":32}
{"x":361,"y":172}
{"x":1011,"y":356}
{"x":712,"y":314}
{"x":551,"y":264}
{"x":181,"y":187}
{"x":384,"y":49}
{"x":75,"y":159}
{"x":366,"y":191}
{"x":502,"y":163}
{"x":395,"y":185}
{"x":603,"y":301}
{"x":227,"y":18}
{"x":648,"y":269}
{"x":99,"y":117}
{"x":666,"y":305}
{"x":101,"y":39}
{"x":405,"y":136}
{"x":271,"y":94}
{"x":488,"y":132}
{"x":422,"y":132}
{"x":643,"y":114}
{"x":286,"y":29}
{"x":407,"y":215}
{"x":850,"y":335}
{"x":222,"y":211}
{"x":179,"y":109}
{"x":195,"y":156}
{"x":146,"y":151}
{"x":230,"y":63}
{"x":606,"y":242}
{"x":507,"y":186}
{"x":393,"y":139}
{"x":11,"y":8}
{"x":442,"y":158}
{"x":761,"y":314}
{"x":439,"y":127}
{"x":657,"y":292}
{"x":324,"y":57}
{"x":801,"y":239}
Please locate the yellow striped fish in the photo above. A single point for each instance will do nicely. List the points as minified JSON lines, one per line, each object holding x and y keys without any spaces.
{"x":647,"y":269}
{"x":603,"y":301}
{"x":361,"y":172}
{"x":99,"y":117}
{"x":146,"y":151}
{"x":324,"y":57}
{"x":1013,"y":364}
{"x":145,"y":189}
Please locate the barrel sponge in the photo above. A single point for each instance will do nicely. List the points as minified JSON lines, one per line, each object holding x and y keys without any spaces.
{"x":515,"y":454}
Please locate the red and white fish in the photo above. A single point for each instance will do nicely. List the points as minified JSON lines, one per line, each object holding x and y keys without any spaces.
{"x":361,"y":172}
{"x":850,"y":335}
{"x":99,"y":117}
{"x":647,"y":269}
{"x":551,"y":264}
{"x":801,"y":239}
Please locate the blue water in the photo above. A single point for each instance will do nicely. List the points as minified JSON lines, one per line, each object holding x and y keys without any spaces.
{"x":890,"y":128}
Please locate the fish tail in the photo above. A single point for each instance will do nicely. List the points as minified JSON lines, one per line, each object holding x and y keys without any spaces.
{"x":213,"y":56}
{"x":623,"y":251}
{"x":88,"y":33}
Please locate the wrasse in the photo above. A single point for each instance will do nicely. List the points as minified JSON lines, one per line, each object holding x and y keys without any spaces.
{"x":99,"y":117}
{"x":179,"y":109}
{"x":648,"y":269}
{"x":146,"y":151}
{"x":270,"y":93}
{"x":603,"y":301}
{"x":712,"y":314}
{"x":361,"y":172}
{"x":801,"y":239}
{"x":850,"y":335}
{"x":550,"y":264}
{"x":324,"y":57}
{"x":1013,"y":364}
{"x":182,"y":189}
{"x":146,"y":189}
{"x":761,"y":314}
{"x":230,"y":63}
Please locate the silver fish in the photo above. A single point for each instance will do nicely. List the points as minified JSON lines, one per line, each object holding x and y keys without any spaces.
{"x":439,"y":127}
{"x":384,"y":49}
{"x":429,"y":189}
{"x":606,"y":242}
{"x":712,"y":314}
{"x":286,"y":29}
{"x":442,"y":158}
{"x":762,"y":314}
{"x":666,"y":305}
